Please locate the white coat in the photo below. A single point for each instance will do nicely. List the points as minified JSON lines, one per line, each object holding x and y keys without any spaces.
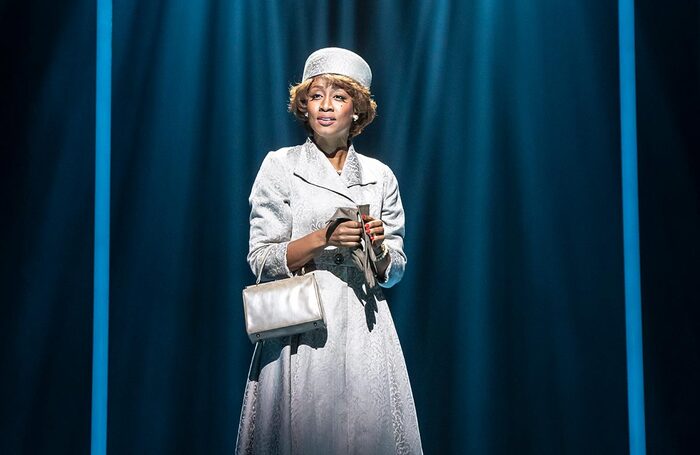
{"x":344,"y":389}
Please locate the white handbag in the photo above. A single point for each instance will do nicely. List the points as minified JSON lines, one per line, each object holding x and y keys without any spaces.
{"x":282,"y":307}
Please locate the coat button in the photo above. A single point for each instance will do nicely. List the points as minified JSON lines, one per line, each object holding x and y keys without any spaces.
{"x":339,"y":258}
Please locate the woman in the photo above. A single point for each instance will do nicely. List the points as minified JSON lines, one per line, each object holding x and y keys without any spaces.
{"x":343,"y":389}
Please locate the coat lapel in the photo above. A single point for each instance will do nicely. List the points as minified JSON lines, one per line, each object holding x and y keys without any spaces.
{"x":315,"y":169}
{"x":353,"y":172}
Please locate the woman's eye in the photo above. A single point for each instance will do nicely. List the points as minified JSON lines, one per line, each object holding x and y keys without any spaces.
{"x":316,"y":96}
{"x":340,"y":97}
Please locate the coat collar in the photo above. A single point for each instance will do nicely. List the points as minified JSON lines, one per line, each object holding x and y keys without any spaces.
{"x":314,"y":167}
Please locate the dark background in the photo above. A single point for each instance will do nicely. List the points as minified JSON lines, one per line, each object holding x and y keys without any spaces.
{"x":501,"y":121}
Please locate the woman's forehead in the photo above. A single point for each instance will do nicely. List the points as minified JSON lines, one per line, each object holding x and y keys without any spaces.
{"x":325,"y":81}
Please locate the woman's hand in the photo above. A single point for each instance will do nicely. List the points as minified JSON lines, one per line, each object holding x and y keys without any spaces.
{"x":347,"y":234}
{"x":375,"y":229}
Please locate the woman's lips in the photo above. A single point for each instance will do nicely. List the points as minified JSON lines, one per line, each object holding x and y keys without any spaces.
{"x":326,"y":121}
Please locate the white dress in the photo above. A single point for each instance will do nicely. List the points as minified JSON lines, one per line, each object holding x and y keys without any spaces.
{"x":345,"y":389}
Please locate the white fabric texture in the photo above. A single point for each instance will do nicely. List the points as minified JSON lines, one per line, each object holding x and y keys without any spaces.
{"x":343,"y":389}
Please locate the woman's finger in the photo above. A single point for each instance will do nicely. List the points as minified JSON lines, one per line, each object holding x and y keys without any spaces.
{"x":351,"y":224}
{"x":377,"y":240}
{"x":350,"y":233}
{"x":378,"y":230}
{"x":350,"y":244}
{"x":373,"y":224}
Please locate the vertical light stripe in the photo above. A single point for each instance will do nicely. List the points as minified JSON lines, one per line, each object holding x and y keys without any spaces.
{"x":103,"y":106}
{"x":630,"y":220}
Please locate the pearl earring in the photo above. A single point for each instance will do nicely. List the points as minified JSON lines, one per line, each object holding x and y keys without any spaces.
{"x":355,"y":117}
{"x":306,"y":114}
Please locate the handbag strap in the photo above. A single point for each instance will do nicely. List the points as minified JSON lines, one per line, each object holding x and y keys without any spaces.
{"x":302,"y":270}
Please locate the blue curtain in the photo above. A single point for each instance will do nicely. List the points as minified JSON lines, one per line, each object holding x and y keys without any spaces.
{"x":668,"y":76}
{"x":500,"y":119}
{"x":47,"y":134}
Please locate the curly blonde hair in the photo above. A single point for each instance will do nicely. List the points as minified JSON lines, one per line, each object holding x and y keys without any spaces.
{"x":364,"y":106}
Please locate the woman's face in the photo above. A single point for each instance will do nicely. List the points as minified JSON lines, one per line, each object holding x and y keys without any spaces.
{"x":330,"y":110}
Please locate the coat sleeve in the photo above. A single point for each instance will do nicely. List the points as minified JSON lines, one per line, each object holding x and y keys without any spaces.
{"x":393,"y":218}
{"x":270,"y":220}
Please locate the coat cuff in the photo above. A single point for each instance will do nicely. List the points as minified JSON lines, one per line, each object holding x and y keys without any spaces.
{"x":394,"y":271}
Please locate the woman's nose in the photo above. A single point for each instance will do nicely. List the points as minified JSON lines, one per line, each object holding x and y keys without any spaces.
{"x":326,"y":105}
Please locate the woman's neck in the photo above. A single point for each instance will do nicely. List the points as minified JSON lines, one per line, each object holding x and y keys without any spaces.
{"x":331,"y":147}
{"x":336,"y":151}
